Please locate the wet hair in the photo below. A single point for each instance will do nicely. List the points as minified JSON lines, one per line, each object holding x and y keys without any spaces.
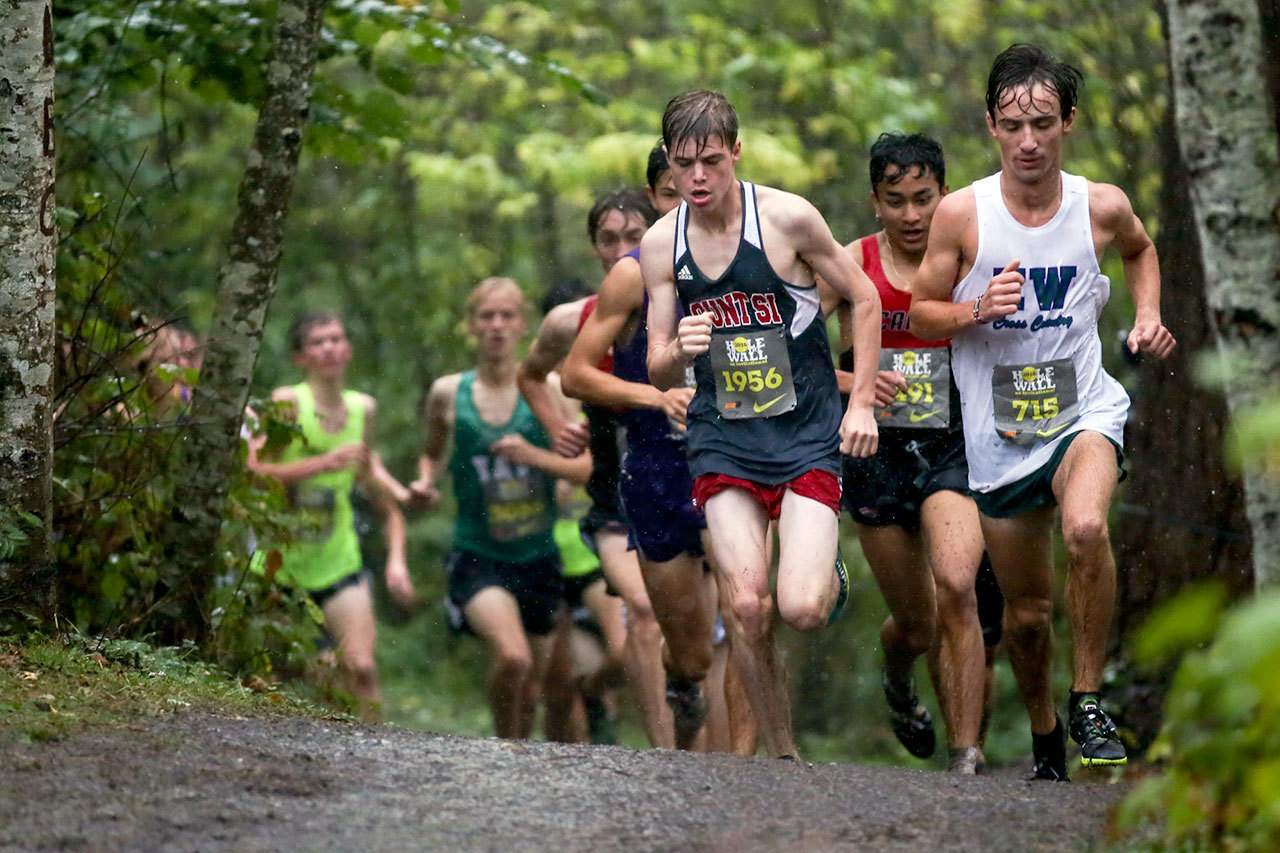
{"x":303,"y":324}
{"x":1026,"y":65}
{"x":490,"y":286}
{"x":656,"y":166}
{"x":626,"y":200}
{"x":903,"y":152}
{"x":700,"y":116}
{"x":564,"y":290}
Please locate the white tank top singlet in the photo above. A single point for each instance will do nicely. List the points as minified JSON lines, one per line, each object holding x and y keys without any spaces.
{"x":1030,"y":379}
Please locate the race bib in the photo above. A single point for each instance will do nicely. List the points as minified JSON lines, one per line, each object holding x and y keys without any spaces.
{"x":926,"y":404}
{"x":515,"y":502}
{"x":1034,"y":402}
{"x":315,"y":506}
{"x":753,"y":374}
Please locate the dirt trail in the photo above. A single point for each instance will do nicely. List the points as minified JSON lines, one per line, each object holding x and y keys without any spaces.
{"x":202,"y":782}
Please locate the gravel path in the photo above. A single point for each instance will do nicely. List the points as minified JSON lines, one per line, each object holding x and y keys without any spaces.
{"x":202,"y":782}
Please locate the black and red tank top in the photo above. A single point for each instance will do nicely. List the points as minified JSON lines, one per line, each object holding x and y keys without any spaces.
{"x":766,"y":407}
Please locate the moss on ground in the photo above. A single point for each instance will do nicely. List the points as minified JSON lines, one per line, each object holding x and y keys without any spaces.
{"x":52,"y":687}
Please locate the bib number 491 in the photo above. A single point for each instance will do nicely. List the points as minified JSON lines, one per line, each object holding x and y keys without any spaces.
{"x":751,"y":380}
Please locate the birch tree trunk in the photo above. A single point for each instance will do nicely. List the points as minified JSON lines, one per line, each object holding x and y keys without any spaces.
{"x":1227,"y":133}
{"x":246,"y":283}
{"x":27,"y":241}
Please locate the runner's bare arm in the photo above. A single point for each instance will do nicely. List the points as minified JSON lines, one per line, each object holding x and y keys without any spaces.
{"x":438,"y":425}
{"x":933,"y":315}
{"x":888,"y":382}
{"x":1113,"y":213}
{"x":621,"y":294}
{"x":814,"y":244}
{"x":550,"y":346}
{"x":518,"y":449}
{"x":671,"y":346}
{"x":346,"y":456}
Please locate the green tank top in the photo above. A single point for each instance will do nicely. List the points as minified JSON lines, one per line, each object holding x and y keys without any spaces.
{"x":324,"y":549}
{"x":576,"y":559}
{"x":505,"y":511}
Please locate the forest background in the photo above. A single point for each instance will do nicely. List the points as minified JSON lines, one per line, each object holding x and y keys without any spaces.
{"x":450,"y":141}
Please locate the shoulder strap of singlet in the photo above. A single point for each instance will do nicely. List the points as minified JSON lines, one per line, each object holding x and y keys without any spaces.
{"x":751,"y":216}
{"x":588,"y":305}
{"x":682,"y":223}
{"x":871,"y":263}
{"x":306,"y":412}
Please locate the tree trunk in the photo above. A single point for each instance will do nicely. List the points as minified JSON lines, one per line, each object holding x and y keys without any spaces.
{"x":1227,"y":134}
{"x":246,"y":284}
{"x":1181,"y":514}
{"x":27,"y":243}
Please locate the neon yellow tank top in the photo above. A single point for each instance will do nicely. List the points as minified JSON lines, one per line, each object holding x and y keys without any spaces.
{"x":324,"y":549}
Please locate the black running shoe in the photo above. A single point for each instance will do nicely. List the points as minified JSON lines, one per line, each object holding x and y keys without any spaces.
{"x":1099,"y":741}
{"x":688,"y":710}
{"x":599,"y":724}
{"x":911,"y":721}
{"x":842,"y":575}
{"x":1050,"y":754}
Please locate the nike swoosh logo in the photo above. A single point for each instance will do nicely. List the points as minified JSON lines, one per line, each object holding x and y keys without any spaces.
{"x":760,"y":407}
{"x":1047,"y":433}
{"x":915,"y":419}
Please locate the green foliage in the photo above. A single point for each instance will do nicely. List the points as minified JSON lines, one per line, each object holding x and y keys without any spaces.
{"x":1254,"y":440}
{"x":1220,"y":789}
{"x":15,"y":529}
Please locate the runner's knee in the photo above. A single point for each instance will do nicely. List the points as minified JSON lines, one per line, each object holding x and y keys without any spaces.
{"x":956,"y":600}
{"x":752,"y":613}
{"x":1085,"y":532}
{"x":803,"y":612}
{"x":514,"y":664}
{"x":1027,"y":616}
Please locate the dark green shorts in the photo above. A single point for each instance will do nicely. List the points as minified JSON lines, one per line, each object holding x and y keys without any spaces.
{"x":1035,"y":489}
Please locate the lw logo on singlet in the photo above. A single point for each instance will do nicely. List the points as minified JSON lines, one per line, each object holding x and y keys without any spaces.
{"x":913,"y":364}
{"x":1031,"y":379}
{"x":684,"y":274}
{"x":739,"y":309}
{"x":1051,"y":285}
{"x":894,"y":321}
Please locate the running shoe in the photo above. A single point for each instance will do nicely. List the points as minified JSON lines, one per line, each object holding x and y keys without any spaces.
{"x":1050,"y":754}
{"x":688,"y":710}
{"x":964,"y":761}
{"x":1099,"y":741}
{"x":842,"y":575}
{"x":911,"y":721}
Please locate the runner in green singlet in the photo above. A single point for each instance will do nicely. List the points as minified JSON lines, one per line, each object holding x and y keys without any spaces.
{"x":319,"y":474}
{"x":504,"y":570}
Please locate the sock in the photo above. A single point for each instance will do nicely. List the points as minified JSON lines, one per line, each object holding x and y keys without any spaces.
{"x":1051,"y":746}
{"x":1078,"y":697}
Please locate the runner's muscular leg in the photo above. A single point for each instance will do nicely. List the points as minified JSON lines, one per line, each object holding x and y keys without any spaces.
{"x":1084,"y":485}
{"x":495,"y":616}
{"x":953,"y":540}
{"x":738,"y":528}
{"x":897,"y":561}
{"x":349,"y":617}
{"x":808,"y":533}
{"x":643,"y":651}
{"x":1020,"y":555}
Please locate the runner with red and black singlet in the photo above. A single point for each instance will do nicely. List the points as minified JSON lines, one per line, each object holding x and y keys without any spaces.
{"x":742,"y":260}
{"x":916,"y":522}
{"x":615,"y":225}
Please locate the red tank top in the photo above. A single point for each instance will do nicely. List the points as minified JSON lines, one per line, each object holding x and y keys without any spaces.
{"x":606,"y":363}
{"x":895,"y":325}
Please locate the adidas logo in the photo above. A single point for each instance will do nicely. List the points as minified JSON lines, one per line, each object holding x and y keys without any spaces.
{"x":684,"y":274}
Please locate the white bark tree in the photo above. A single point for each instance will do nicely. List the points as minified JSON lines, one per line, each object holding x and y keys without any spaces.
{"x":1227,"y":132}
{"x":27,"y":241}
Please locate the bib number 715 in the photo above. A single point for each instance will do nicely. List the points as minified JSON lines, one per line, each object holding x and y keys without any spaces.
{"x":1039,"y":409}
{"x":753,"y":380}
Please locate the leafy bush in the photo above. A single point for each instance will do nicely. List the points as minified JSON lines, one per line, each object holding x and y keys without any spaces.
{"x":1220,"y":790}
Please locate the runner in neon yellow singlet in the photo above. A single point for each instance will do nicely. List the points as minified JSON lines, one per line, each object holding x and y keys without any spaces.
{"x":319,"y":473}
